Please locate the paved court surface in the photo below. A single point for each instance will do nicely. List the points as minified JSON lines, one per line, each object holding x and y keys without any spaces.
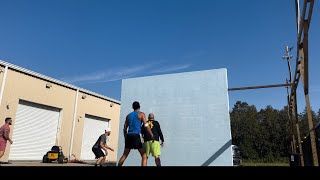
{"x":33,"y":163}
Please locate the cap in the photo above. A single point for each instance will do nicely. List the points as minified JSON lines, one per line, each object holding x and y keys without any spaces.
{"x":108,"y":129}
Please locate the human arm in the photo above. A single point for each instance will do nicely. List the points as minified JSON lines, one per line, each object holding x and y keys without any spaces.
{"x":103,"y":146}
{"x":160,"y":134}
{"x":142,"y":117}
{"x":108,"y":147}
{"x":103,"y":143}
{"x":125,"y":128}
{"x":6,"y":136}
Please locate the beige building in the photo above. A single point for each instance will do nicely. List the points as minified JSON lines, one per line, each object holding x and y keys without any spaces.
{"x":48,"y":112}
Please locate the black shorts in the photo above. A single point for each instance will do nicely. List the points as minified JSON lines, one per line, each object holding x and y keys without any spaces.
{"x":133,"y":141}
{"x":98,"y":153}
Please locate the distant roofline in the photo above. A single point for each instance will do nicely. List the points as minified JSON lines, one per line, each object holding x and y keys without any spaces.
{"x":47,"y":78}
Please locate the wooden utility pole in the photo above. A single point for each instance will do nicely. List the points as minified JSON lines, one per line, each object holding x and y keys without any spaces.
{"x":295,"y":120}
{"x":302,"y":67}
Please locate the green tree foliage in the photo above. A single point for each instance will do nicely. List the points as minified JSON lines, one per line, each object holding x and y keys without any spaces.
{"x":318,"y":116}
{"x":303,"y":122}
{"x":244,"y":127}
{"x":263,"y":135}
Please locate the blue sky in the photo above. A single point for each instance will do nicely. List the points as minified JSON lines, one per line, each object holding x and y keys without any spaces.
{"x":95,"y":43}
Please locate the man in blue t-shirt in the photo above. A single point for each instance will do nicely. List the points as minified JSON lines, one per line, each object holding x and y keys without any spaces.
{"x":132,"y":133}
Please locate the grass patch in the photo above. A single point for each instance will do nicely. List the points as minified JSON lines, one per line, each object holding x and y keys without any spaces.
{"x":264,"y":164}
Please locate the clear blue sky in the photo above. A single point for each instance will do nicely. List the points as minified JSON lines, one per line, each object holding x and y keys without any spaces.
{"x":95,"y":43}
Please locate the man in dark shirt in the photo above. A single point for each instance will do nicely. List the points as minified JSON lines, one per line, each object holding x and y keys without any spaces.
{"x":153,"y":146}
{"x":101,"y":144}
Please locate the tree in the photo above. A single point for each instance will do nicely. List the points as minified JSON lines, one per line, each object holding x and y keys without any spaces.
{"x":303,"y":122}
{"x":318,"y":116}
{"x":262,"y":135}
{"x":284,"y":132}
{"x":244,"y":128}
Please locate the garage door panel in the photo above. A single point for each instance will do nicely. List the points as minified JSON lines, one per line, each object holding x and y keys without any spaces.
{"x":34,"y":132}
{"x":43,"y":126}
{"x":27,"y":149}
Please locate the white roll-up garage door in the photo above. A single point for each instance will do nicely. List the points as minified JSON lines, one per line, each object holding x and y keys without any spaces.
{"x":35,"y":131}
{"x":93,"y":128}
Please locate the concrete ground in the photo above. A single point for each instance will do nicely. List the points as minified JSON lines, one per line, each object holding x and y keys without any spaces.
{"x":35,"y":163}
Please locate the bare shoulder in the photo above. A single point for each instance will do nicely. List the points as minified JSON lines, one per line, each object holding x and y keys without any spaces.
{"x":141,"y":114}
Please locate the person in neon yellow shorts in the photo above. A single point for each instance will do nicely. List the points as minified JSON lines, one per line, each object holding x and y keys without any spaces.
{"x":153,"y":146}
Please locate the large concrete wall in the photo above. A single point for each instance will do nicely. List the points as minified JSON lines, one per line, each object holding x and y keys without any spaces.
{"x":193,"y":111}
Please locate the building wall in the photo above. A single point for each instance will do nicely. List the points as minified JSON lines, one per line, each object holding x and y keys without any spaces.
{"x":193,"y":111}
{"x":101,"y":108}
{"x":25,"y":87}
{"x":1,"y":76}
